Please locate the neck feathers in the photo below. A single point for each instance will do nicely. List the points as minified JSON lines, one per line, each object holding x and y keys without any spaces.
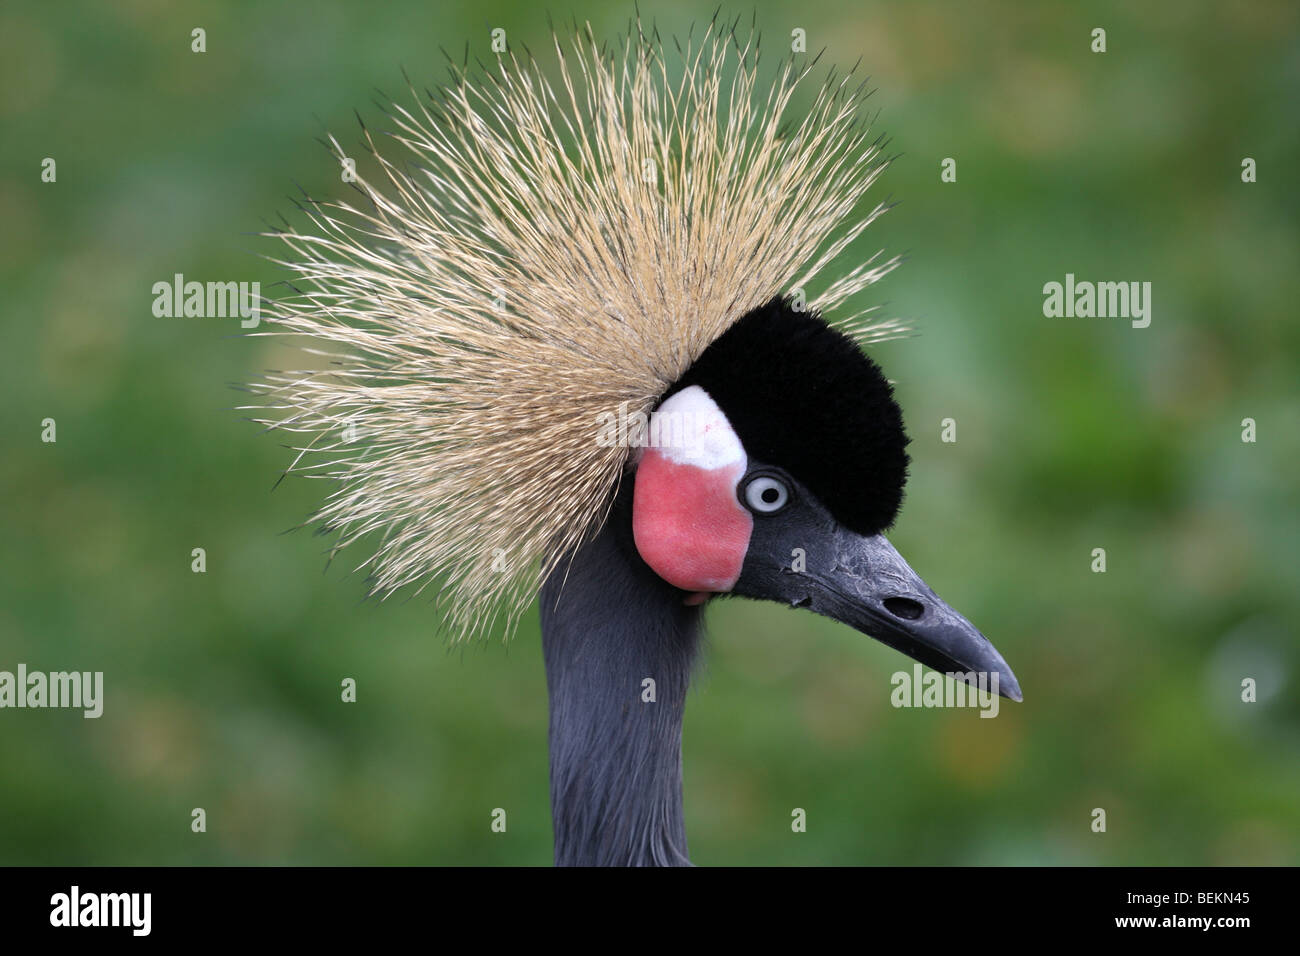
{"x":609,"y":624}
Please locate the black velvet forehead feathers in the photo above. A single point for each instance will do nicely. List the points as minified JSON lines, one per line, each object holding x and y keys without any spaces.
{"x":802,"y":396}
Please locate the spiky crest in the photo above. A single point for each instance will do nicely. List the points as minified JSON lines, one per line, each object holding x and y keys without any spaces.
{"x":549,"y":251}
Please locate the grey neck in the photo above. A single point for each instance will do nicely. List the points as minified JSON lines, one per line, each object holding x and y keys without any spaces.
{"x":609,"y":624}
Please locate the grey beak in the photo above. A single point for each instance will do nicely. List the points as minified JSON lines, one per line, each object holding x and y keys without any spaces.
{"x":873,"y":590}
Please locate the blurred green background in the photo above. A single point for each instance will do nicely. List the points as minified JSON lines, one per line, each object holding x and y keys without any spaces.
{"x":222,"y":689}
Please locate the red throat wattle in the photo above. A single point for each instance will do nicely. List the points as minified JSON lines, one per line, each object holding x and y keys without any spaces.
{"x":688,"y":524}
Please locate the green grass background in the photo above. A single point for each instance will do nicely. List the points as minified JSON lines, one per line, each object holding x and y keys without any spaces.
{"x":223,"y":688}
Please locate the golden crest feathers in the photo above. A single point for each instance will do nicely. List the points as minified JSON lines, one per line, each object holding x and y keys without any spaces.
{"x":545,"y":249}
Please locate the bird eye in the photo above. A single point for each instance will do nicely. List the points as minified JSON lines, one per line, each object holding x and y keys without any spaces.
{"x":766,"y":494}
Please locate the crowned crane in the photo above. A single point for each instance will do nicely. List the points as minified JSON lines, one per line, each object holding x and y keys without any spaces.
{"x":629,"y":244}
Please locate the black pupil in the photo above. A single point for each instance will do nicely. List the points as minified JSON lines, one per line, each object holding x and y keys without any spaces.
{"x":769,"y":495}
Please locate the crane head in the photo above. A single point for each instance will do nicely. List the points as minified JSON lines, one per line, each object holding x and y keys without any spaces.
{"x":772,"y":469}
{"x":480,"y":308}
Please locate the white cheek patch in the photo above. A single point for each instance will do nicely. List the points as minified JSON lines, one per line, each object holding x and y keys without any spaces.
{"x":690,"y":429}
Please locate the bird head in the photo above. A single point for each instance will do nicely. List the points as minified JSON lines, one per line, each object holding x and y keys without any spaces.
{"x":542,"y":252}
{"x":772,"y":469}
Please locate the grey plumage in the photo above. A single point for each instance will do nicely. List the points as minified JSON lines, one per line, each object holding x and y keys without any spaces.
{"x":608,"y":623}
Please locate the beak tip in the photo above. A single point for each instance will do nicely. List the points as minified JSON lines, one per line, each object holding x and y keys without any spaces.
{"x":1011,"y":689}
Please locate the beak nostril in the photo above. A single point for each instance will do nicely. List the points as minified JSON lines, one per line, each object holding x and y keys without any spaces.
{"x":905,"y":608}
